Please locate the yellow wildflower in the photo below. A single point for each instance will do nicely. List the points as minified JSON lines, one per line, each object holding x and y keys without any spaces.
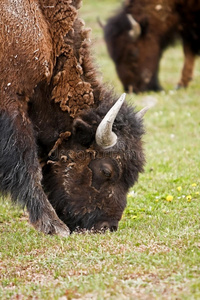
{"x":179,"y":188}
{"x":189,"y":197}
{"x":197,"y":193}
{"x":133,"y":217}
{"x":193,"y":184}
{"x":169,"y":198}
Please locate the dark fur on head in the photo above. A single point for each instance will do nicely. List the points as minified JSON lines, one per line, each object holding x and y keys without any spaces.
{"x":91,"y":198}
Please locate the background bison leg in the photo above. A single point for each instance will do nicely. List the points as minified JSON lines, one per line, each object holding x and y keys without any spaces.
{"x":187,"y":71}
{"x":20,"y":173}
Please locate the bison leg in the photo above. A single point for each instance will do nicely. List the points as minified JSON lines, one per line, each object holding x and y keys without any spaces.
{"x":187,"y":71}
{"x":20,"y":173}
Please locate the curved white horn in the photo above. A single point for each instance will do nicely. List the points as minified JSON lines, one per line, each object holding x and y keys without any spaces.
{"x":105,"y":137}
{"x":140,"y":114}
{"x":136,"y":29}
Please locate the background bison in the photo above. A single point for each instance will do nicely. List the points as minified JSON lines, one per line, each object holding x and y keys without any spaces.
{"x":139,"y":33}
{"x":62,"y":139}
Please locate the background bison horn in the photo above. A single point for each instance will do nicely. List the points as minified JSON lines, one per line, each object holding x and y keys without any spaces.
{"x":105,"y":137}
{"x":100,"y":23}
{"x":140,"y":114}
{"x":136,"y":29}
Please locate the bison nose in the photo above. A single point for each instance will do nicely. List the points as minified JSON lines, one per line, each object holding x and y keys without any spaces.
{"x":113,"y":228}
{"x":106,"y":225}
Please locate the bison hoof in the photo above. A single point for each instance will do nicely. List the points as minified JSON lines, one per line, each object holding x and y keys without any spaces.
{"x":49,"y":226}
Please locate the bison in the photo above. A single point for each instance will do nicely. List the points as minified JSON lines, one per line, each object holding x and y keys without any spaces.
{"x":69,"y":150}
{"x":139,"y":33}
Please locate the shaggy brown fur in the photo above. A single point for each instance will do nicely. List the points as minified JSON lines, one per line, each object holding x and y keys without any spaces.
{"x":29,"y":48}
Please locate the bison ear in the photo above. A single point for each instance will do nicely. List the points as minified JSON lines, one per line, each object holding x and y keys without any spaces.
{"x":82,"y":132}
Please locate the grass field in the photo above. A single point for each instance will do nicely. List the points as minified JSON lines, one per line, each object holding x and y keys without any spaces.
{"x":155,"y":254}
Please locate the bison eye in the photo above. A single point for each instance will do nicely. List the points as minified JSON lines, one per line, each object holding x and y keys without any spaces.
{"x":106,"y":172}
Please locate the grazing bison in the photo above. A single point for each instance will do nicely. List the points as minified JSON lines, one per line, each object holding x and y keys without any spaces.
{"x":69,"y":151}
{"x":139,"y":33}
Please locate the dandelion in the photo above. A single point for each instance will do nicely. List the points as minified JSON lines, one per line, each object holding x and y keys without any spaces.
{"x":193,"y":184}
{"x":133,"y":217}
{"x":179,"y":188}
{"x":189,"y":198}
{"x":169,"y":198}
{"x":197,"y":193}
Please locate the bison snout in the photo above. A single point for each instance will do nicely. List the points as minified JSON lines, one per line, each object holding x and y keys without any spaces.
{"x":103,"y":226}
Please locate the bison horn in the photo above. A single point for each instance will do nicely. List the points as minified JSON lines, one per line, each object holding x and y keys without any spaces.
{"x":140,"y":114}
{"x":100,"y":23}
{"x":130,"y":89}
{"x":105,"y":137}
{"x":136,"y":29}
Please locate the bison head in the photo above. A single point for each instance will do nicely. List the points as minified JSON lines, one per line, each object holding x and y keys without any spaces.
{"x":135,"y":52}
{"x":88,"y":176}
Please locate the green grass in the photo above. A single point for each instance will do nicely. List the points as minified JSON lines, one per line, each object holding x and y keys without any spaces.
{"x":155,"y":254}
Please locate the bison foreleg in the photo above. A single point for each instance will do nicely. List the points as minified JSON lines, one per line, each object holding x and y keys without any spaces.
{"x":20,"y":173}
{"x":187,"y":71}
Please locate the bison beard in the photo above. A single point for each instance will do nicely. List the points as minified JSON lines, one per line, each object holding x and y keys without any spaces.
{"x":138,"y":34}
{"x":54,"y":146}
